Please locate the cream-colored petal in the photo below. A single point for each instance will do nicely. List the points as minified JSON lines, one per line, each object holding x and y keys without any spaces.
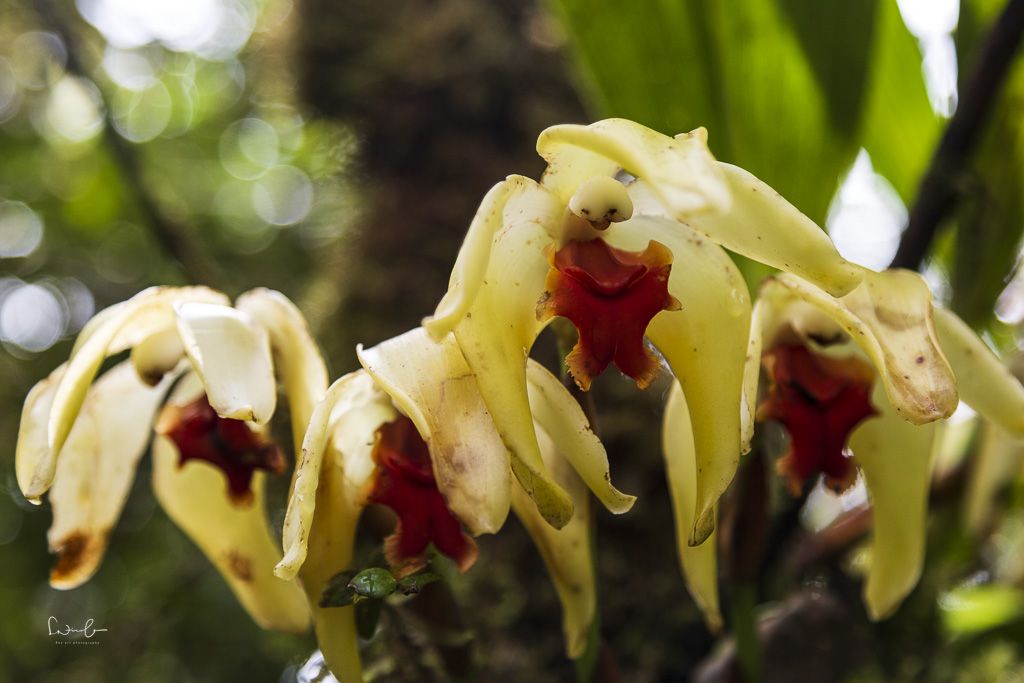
{"x":752,"y":374}
{"x":297,"y":359}
{"x":567,"y":552}
{"x":117,"y":329}
{"x":144,"y":318}
{"x":761,"y":225}
{"x":156,"y":355}
{"x":471,"y":265}
{"x":150,"y":310}
{"x":561,"y":417}
{"x":232,"y":357}
{"x":997,"y":462}
{"x":985,"y":383}
{"x":327,"y":498}
{"x":497,"y":332}
{"x":330,"y":545}
{"x":680,"y":170}
{"x":705,"y":344}
{"x":31,"y":449}
{"x":895,"y":457}
{"x":96,"y":469}
{"x":236,"y":539}
{"x":352,"y":410}
{"x":699,"y":563}
{"x":431,"y":383}
{"x":889,"y":316}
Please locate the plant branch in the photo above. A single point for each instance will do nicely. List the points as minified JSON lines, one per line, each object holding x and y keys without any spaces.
{"x":938,"y":193}
{"x":171,"y":236}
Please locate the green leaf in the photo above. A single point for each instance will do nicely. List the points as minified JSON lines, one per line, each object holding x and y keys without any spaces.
{"x":780,"y":85}
{"x":974,"y":609}
{"x":367,"y":616}
{"x":374,"y":582}
{"x":990,"y":216}
{"x":901,"y":129}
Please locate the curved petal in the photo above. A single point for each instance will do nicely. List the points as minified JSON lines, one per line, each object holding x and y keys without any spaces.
{"x":567,"y":552}
{"x":95,"y":472}
{"x":681,"y":170}
{"x":232,"y":358}
{"x":351,"y":411}
{"x":297,"y":359}
{"x":432,"y":384}
{"x":236,"y":539}
{"x":752,"y":374}
{"x":31,"y":449}
{"x":117,"y":329}
{"x":997,"y":462}
{"x":498,"y":330}
{"x":896,"y":458}
{"x":156,"y":355}
{"x":699,"y":563}
{"x":985,"y":383}
{"x":324,"y":507}
{"x":474,"y":255}
{"x":705,"y":344}
{"x":561,"y":417}
{"x":726,"y":203}
{"x":329,"y":551}
{"x":760,"y":224}
{"x":144,"y":318}
{"x":889,"y":316}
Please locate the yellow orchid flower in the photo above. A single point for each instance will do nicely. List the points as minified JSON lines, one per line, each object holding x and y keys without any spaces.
{"x":81,"y":440}
{"x":411,"y":431}
{"x":622,"y":236}
{"x":859,"y":382}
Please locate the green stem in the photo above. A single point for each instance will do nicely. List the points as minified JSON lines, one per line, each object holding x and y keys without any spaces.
{"x":744,"y":620}
{"x":586,"y":664}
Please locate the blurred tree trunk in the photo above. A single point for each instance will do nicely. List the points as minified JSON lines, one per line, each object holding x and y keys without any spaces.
{"x":447,"y":98}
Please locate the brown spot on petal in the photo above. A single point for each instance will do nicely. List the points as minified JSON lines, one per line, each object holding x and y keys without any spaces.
{"x":77,"y":553}
{"x":240,"y":566}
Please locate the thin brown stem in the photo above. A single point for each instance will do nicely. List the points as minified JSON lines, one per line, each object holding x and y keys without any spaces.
{"x":938,"y":193}
{"x":171,"y":236}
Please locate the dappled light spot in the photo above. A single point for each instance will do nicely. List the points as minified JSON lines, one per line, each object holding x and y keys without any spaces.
{"x":33,"y":317}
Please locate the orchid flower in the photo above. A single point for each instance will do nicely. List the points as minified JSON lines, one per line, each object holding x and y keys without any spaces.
{"x":81,"y":440}
{"x":860,"y":382}
{"x":411,"y":431}
{"x":621,"y":236}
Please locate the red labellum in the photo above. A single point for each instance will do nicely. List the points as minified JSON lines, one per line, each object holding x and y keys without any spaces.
{"x":230,"y":445}
{"x":405,"y":483}
{"x":819,"y":400}
{"x":610,"y":295}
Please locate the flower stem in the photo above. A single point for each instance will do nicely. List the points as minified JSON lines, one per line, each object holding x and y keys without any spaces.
{"x":744,"y":624}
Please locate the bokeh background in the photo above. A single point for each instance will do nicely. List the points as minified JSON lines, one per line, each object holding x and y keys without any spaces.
{"x":336,"y":151}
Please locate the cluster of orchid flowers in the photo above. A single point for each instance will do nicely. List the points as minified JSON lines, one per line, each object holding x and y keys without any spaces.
{"x":452,"y":424}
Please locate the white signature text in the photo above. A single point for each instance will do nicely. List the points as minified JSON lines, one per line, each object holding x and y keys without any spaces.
{"x":87,"y":630}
